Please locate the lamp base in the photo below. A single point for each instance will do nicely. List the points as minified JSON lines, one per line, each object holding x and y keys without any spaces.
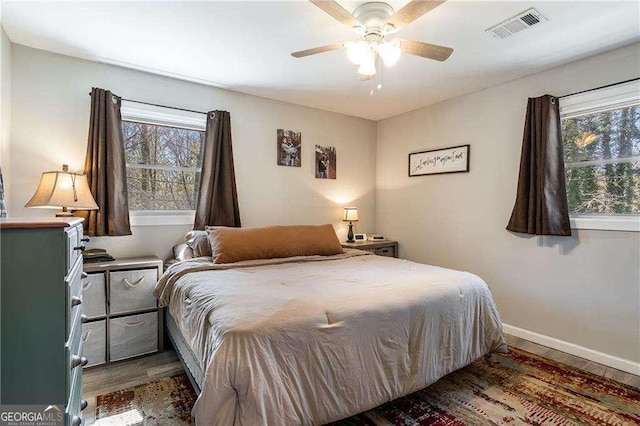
{"x":350,"y":234}
{"x":64,"y":214}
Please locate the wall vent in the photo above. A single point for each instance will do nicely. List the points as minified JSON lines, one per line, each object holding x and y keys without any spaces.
{"x":517,"y":23}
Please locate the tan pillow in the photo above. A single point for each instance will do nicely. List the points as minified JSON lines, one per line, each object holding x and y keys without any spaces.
{"x":230,"y":245}
{"x":198,"y":241}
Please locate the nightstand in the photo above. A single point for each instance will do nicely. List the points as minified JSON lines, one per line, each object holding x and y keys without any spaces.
{"x":381,"y":248}
{"x":123,"y":318}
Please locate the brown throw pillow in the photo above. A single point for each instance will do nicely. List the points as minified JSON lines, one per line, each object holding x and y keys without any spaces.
{"x":198,"y":241}
{"x":230,"y":245}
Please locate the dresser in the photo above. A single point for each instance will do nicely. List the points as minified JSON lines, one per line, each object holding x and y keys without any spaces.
{"x":381,"y":248}
{"x":41,"y":354}
{"x":123,"y":318}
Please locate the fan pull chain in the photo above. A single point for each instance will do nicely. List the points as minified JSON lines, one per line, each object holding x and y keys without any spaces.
{"x":378,"y":78}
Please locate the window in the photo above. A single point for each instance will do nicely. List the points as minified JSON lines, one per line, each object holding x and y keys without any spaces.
{"x":163,"y":150}
{"x":601,"y":137}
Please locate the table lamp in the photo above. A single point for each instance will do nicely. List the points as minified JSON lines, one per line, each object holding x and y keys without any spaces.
{"x":69,"y":191}
{"x":350,"y":215}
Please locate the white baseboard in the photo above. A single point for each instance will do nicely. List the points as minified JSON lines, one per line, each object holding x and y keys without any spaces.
{"x":573,"y":349}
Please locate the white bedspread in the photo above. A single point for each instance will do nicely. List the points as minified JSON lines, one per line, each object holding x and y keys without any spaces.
{"x":314,"y":340}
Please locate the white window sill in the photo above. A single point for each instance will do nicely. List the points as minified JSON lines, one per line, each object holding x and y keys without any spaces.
{"x":169,"y":218}
{"x":606,"y":223}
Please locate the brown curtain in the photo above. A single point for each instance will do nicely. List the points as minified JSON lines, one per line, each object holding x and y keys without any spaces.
{"x":104,"y":166}
{"x":217,"y":203}
{"x":541,"y":200}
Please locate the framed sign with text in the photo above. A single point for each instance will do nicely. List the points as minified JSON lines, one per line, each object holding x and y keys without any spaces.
{"x":438,"y":161}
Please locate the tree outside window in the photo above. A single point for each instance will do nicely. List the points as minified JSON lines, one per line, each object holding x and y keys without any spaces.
{"x":163,"y":166}
{"x":602,"y":161}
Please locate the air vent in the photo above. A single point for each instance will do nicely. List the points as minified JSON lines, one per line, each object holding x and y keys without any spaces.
{"x":517,"y":23}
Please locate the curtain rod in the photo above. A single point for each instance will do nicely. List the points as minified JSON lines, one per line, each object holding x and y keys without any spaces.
{"x":598,"y":88}
{"x":161,"y":106}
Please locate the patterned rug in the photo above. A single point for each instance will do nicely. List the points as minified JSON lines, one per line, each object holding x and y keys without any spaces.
{"x":517,"y":388}
{"x":165,"y":402}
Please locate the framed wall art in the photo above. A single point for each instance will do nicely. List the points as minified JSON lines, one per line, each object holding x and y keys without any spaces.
{"x":439,"y":161}
{"x":325,"y":162}
{"x":289,"y":148}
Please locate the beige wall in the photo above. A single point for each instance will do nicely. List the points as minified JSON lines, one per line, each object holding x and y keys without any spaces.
{"x":5,"y":109}
{"x":584,"y":289}
{"x":50,"y":120}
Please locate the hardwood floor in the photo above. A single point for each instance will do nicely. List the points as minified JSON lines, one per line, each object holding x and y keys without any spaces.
{"x":110,"y":378}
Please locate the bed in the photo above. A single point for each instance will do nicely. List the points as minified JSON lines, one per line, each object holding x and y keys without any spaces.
{"x":314,"y":339}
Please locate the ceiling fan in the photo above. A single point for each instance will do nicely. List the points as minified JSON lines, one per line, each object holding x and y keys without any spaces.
{"x":373,"y":22}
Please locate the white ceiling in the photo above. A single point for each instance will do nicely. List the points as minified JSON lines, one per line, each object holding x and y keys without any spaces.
{"x":245,"y":46}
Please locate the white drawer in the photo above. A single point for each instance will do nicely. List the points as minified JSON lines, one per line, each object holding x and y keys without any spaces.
{"x":94,"y":299}
{"x":94,"y":342}
{"x":133,"y":335}
{"x":131,"y":290}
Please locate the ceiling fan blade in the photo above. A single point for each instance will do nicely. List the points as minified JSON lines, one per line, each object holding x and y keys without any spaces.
{"x":337,"y":12}
{"x":426,"y":50}
{"x":316,"y":50}
{"x":366,"y":77}
{"x":412,"y":11}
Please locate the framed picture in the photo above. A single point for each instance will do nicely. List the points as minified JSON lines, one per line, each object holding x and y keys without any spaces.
{"x":325,"y":162}
{"x":438,"y":161}
{"x":289,"y":148}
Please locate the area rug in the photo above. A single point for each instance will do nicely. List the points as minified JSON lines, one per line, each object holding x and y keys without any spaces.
{"x":165,"y":402}
{"x":517,"y":388}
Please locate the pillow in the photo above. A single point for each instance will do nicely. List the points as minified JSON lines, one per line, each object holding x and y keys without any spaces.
{"x":182,"y":252}
{"x":198,"y":241}
{"x":230,"y":245}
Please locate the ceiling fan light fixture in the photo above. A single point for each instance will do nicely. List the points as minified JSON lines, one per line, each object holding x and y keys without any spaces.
{"x":357,"y":52}
{"x":368,"y":66}
{"x":390,"y":52}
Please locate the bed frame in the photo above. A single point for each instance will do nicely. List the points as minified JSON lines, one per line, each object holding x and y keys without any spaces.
{"x":186,"y":356}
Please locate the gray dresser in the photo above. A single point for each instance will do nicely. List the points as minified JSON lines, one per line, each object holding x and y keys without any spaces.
{"x":41,"y":319}
{"x":123,"y":318}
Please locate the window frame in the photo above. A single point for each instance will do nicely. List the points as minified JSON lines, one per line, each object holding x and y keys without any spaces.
{"x":608,"y":98}
{"x":160,"y":116}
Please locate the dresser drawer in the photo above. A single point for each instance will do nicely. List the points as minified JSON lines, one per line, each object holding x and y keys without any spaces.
{"x":75,"y":404}
{"x":94,"y":342}
{"x":94,"y":298}
{"x":72,"y":243}
{"x":386,"y":251}
{"x":73,"y":283}
{"x":75,"y":335}
{"x":131,"y":290}
{"x":73,"y":347}
{"x":133,"y":335}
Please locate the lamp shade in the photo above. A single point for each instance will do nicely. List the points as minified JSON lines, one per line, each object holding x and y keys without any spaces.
{"x":390,"y":52}
{"x":350,"y":214}
{"x":357,"y":52}
{"x":368,"y":65}
{"x":63,"y":189}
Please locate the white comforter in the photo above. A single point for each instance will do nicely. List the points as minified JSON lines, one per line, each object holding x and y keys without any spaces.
{"x":312,"y":340}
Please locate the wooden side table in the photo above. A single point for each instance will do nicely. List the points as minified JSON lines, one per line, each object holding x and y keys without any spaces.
{"x":387,"y":248}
